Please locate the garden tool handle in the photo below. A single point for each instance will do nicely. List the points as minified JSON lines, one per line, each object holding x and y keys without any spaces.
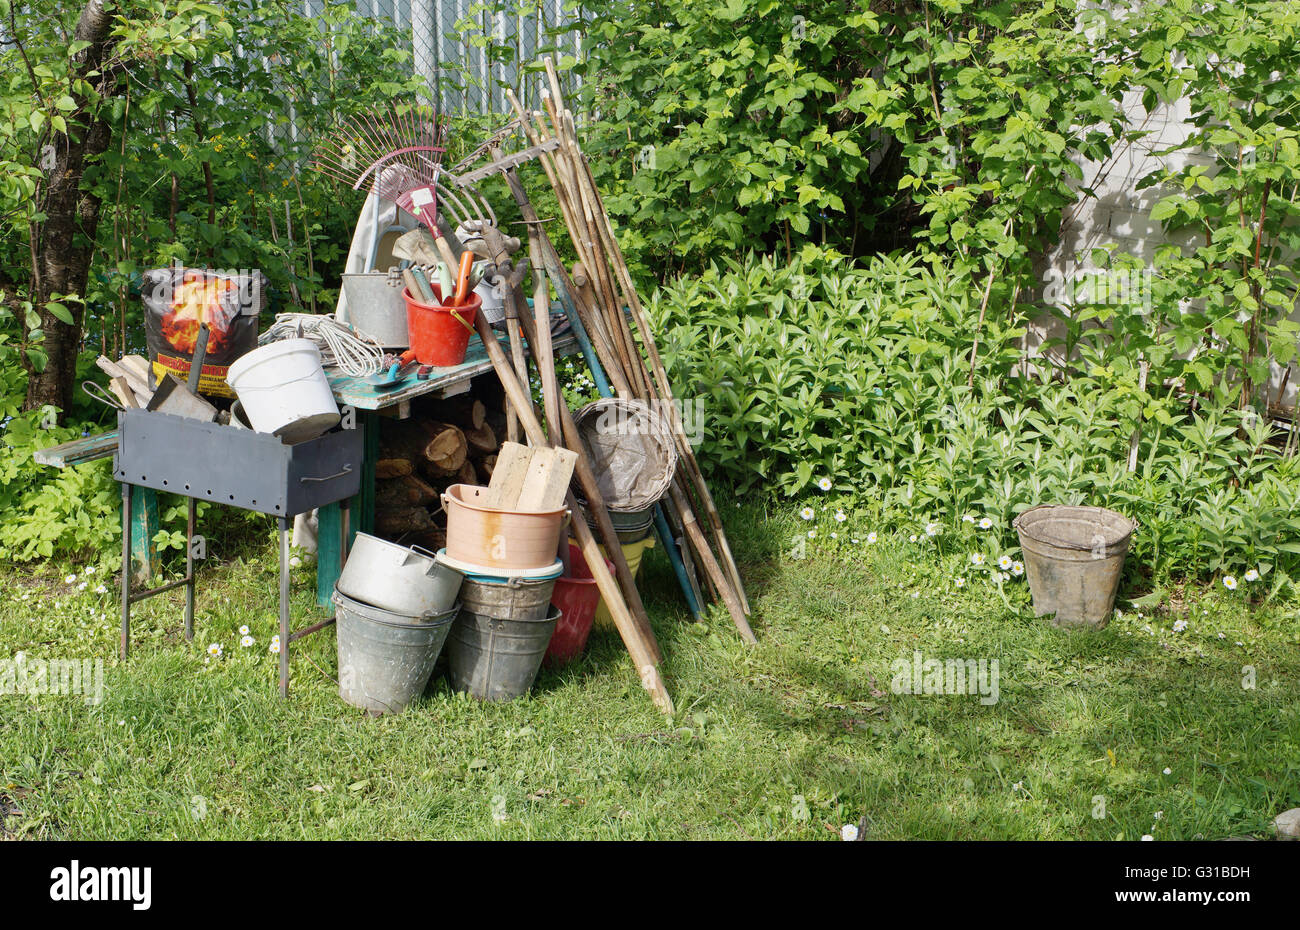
{"x":200,"y":355}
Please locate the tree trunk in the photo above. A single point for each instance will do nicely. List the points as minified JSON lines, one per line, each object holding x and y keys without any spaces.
{"x":65,"y":242}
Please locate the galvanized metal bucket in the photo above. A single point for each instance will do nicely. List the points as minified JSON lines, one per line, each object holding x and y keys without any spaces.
{"x":507,"y":599}
{"x":630,"y":527}
{"x":376,"y":307}
{"x":385,"y":659}
{"x":494,"y":659}
{"x":1074,"y":557}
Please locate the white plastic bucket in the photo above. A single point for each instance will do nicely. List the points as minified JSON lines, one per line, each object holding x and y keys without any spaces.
{"x":284,"y":391}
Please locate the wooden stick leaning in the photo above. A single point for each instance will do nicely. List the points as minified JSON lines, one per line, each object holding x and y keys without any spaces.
{"x":567,"y":435}
{"x":661,"y":378}
{"x":591,"y":234}
{"x":637,"y":646}
{"x":661,"y":390}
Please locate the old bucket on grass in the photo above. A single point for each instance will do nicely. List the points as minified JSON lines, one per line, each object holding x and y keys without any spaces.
{"x":494,"y":659}
{"x":1074,"y":557}
{"x":576,"y":597}
{"x":385,"y":659}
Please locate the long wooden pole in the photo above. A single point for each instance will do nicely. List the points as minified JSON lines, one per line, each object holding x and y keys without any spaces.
{"x":640,"y":650}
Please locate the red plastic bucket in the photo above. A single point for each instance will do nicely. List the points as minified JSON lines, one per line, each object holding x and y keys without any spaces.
{"x":576,"y":595}
{"x":440,"y":335}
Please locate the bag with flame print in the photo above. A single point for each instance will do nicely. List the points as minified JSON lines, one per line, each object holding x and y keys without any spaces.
{"x":177,"y":300}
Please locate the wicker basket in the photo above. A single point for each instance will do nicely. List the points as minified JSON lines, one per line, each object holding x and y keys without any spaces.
{"x":632,"y":452}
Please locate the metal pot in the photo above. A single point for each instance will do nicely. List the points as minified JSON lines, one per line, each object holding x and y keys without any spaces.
{"x":405,"y":580}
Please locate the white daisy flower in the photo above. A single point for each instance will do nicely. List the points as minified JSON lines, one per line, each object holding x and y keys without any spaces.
{"x":871,"y":537}
{"x":835,"y":535}
{"x":849,"y":832}
{"x":246,"y":641}
{"x":1005,"y":563}
{"x":1148,"y":838}
{"x":82,"y":586}
{"x":101,"y":589}
{"x":985,"y":523}
{"x":1168,"y":771}
{"x":89,"y":570}
{"x":1230,"y":583}
{"x":912,"y":538}
{"x":244,"y":630}
{"x":933,"y":529}
{"x":977,"y":558}
{"x":807,"y":513}
{"x":1252,"y":574}
{"x":295,"y":562}
{"x":824,"y":483}
{"x":274,"y":648}
{"x":960,"y":582}
{"x":70,"y":579}
{"x":1180,"y":625}
{"x":840,"y":516}
{"x":968,"y":519}
{"x":215,"y":650}
{"x":812,"y":534}
{"x":1017,"y":568}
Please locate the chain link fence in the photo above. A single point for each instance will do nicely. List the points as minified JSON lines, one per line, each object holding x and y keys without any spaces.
{"x":469,"y":52}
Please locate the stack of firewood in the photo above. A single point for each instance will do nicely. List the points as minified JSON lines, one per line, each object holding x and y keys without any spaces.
{"x":443,"y":442}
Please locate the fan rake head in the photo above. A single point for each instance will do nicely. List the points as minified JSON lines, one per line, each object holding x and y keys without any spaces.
{"x":398,"y":153}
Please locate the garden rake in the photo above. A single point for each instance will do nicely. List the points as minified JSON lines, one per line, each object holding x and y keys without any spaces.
{"x":399,"y":154}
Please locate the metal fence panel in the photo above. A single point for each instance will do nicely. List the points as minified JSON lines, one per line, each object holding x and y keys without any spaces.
{"x":469,"y":52}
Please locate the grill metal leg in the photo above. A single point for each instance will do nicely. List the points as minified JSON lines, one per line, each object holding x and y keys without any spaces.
{"x":189,"y":573}
{"x":126,"y":570}
{"x":284,"y":607}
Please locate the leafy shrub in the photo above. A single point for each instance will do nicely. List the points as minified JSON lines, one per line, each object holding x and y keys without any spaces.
{"x":817,"y":369}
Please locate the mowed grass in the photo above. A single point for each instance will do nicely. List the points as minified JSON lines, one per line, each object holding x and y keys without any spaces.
{"x":787,"y":740}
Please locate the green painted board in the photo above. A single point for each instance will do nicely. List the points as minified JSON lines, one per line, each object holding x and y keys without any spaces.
{"x":355,"y":392}
{"x":78,"y":451}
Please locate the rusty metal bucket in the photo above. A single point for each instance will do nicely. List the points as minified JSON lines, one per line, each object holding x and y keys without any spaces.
{"x":1074,"y":557}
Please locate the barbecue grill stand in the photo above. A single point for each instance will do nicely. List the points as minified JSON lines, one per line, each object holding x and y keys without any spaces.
{"x":237,"y":468}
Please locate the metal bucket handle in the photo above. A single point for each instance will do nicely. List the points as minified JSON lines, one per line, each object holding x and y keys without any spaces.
{"x":431,"y":556}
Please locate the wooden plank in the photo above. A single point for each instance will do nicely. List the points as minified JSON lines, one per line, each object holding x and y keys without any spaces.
{"x":77,"y":451}
{"x":508,"y":476}
{"x":547,"y":481}
{"x":329,"y":552}
{"x":146,"y":560}
{"x":121,"y":389}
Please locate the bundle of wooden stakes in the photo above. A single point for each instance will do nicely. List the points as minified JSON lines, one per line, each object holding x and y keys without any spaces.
{"x":600,"y":286}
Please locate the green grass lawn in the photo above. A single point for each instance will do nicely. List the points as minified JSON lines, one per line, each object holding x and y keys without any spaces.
{"x":1134,"y":730}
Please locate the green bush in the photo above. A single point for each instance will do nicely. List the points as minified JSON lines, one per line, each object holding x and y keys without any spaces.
{"x":817,"y":369}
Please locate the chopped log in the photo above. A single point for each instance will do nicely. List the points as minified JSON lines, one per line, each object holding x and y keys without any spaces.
{"x":391,"y":524}
{"x":468,"y":474}
{"x":403,"y":492}
{"x":393,"y":468}
{"x":446,"y":448}
{"x":464,"y":410}
{"x":482,"y":439}
{"x":486,"y":466}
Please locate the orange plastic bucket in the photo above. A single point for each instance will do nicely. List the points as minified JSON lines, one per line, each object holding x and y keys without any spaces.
{"x":440,"y":335}
{"x":499,"y":539}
